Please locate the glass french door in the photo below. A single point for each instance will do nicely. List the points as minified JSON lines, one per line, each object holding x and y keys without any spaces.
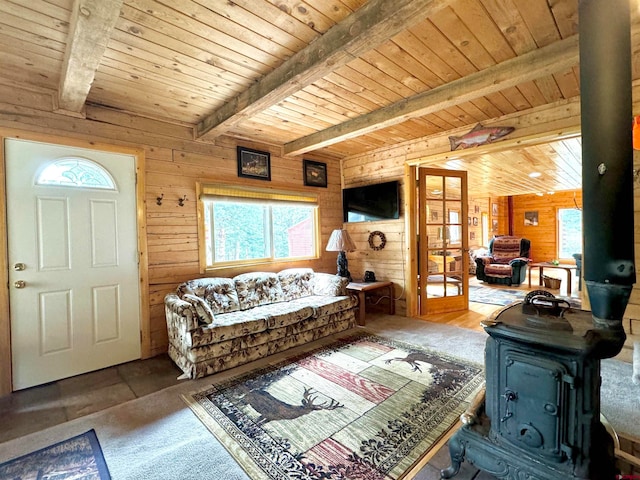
{"x":443,"y":241}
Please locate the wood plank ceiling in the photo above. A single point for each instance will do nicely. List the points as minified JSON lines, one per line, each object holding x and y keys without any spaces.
{"x":333,"y":77}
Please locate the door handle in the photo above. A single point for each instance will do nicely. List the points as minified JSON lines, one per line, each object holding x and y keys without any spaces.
{"x":19,"y":284}
{"x":19,"y":267}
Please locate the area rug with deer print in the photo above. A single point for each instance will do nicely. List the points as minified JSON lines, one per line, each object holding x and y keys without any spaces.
{"x":365,"y":407}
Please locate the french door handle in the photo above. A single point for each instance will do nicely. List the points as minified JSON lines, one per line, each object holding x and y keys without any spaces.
{"x":19,"y":284}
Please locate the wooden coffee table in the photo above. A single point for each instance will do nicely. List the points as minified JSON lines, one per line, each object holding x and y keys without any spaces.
{"x":362,"y":288}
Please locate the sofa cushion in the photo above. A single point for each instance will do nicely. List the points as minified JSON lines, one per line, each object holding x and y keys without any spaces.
{"x":228,"y":326}
{"x":203,"y":311}
{"x":285,"y":313}
{"x":330,"y":285}
{"x":257,"y":288}
{"x":296,"y":282}
{"x":498,"y":270}
{"x":220,"y":293}
{"x":323,"y":305}
{"x":505,"y":249}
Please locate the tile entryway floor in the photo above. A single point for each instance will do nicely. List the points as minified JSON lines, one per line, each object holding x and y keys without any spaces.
{"x":40,"y":407}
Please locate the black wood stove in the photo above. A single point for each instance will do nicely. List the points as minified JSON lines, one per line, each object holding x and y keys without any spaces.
{"x":540,"y":416}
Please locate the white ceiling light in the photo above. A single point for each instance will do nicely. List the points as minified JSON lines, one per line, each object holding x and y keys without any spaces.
{"x":535,"y":174}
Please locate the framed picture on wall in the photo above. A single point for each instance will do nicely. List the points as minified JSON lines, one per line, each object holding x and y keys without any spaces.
{"x":254,"y":164}
{"x":469,"y":220}
{"x":315,"y":173}
{"x":475,"y":221}
{"x":494,"y":225}
{"x":494,"y":209}
{"x":472,"y":235}
{"x":531,"y":218}
{"x":476,"y":209}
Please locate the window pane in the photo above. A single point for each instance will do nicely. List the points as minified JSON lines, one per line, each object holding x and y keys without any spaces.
{"x":76,"y":172}
{"x":569,"y":232}
{"x":453,"y":188}
{"x":293,"y":231}
{"x":239,"y":231}
{"x":245,"y":230}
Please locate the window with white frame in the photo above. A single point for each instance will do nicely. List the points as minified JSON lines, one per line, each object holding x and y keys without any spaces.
{"x":257,"y":226}
{"x":569,"y":232}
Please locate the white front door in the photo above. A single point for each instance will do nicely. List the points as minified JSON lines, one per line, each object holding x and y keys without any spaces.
{"x":73,"y":260}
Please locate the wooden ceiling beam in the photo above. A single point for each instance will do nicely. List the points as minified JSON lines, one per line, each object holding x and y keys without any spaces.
{"x":555,"y":57}
{"x":92,"y":22}
{"x":371,"y":25}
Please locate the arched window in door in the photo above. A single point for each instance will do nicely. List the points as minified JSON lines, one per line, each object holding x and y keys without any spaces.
{"x":76,"y":172}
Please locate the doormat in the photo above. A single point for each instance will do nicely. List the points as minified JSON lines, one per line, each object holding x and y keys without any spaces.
{"x":495,"y":296}
{"x":74,"y":458}
{"x":364,"y":407}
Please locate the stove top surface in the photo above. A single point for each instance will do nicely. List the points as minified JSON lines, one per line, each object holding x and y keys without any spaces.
{"x":563,"y":328}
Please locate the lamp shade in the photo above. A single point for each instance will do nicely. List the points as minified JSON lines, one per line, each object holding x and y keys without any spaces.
{"x":340,"y":241}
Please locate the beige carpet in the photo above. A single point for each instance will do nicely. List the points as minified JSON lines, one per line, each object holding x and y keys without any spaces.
{"x":158,"y":437}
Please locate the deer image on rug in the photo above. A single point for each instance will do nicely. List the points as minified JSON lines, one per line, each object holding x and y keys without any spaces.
{"x":271,"y":408}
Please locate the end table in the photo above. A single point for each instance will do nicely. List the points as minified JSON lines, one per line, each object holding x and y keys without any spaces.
{"x":362,"y":288}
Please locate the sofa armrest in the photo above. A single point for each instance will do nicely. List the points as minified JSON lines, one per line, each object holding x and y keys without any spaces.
{"x":329,"y":285}
{"x":180,"y":314}
{"x":484,"y":260}
{"x":519,"y":262}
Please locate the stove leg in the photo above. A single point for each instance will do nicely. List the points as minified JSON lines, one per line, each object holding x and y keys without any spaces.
{"x":456,"y":451}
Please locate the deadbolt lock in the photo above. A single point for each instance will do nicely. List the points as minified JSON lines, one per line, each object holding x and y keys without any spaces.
{"x":18,"y":267}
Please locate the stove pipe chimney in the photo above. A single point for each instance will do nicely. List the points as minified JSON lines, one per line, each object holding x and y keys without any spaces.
{"x":607,"y":158}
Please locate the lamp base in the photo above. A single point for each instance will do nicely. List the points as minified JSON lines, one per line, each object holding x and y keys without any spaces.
{"x":343,"y":266}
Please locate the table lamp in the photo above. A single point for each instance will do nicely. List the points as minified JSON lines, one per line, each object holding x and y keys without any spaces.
{"x":341,"y":242}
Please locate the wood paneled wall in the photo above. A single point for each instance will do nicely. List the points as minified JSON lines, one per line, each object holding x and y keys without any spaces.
{"x":477,"y":206}
{"x":544,"y":236}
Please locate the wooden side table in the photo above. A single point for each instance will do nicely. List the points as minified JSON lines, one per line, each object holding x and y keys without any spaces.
{"x":567,"y":267}
{"x":362,"y":288}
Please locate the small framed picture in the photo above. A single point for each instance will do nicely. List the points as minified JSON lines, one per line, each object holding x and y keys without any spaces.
{"x":476,"y":209}
{"x":434,"y":215}
{"x":494,"y":209}
{"x":469,"y":220}
{"x":531,"y":218}
{"x":314,"y":173}
{"x":254,"y":164}
{"x":494,"y":225}
{"x":475,"y":221}
{"x":472,"y":235}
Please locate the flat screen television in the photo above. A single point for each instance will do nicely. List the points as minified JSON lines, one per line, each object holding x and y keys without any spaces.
{"x":379,"y":201}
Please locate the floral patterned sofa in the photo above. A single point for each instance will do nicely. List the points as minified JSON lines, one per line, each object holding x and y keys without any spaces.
{"x":219,"y":323}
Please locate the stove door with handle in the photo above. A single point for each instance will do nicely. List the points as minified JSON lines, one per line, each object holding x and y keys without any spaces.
{"x":533,"y":404}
